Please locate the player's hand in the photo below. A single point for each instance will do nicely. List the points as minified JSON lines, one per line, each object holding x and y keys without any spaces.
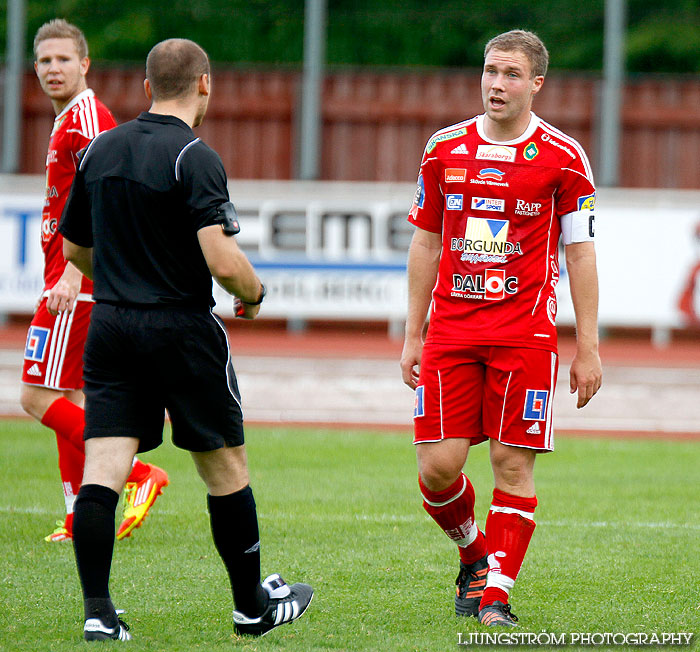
{"x":410,"y":361}
{"x":586,"y":376}
{"x":245,"y":310}
{"x":61,"y":297}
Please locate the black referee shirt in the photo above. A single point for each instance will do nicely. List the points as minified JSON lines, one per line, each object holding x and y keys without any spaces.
{"x":141,"y":193}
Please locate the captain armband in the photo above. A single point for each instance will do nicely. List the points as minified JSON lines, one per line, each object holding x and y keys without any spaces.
{"x":228,"y":218}
{"x":578,"y":226}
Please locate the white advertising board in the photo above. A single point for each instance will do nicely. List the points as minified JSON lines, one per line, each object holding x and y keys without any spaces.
{"x":338,"y":250}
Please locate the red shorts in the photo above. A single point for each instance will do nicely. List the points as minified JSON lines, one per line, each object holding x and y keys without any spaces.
{"x":53,"y":355}
{"x":486,"y":392}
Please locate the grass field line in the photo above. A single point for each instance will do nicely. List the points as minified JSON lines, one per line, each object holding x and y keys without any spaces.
{"x":403,"y":518}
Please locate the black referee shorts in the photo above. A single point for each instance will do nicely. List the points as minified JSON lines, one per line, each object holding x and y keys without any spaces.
{"x":139,"y":362}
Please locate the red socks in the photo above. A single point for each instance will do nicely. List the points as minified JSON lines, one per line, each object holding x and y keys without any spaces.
{"x":453,"y":510}
{"x":139,"y":471}
{"x":509,"y":528}
{"x":68,"y":421}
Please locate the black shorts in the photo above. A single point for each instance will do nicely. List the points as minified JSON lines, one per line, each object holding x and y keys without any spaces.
{"x":140,"y":362}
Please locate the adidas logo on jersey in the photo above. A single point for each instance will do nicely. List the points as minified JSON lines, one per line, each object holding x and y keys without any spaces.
{"x":460,"y":149}
{"x":534,"y":429}
{"x":34,"y":370}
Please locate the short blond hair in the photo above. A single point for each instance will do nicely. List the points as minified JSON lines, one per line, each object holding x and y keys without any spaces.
{"x":60,"y":28}
{"x":526,"y":42}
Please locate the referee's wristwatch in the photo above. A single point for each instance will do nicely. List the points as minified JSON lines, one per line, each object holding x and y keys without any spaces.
{"x":263,"y":292}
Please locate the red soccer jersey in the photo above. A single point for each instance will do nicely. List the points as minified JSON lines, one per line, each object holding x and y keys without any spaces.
{"x":498,"y":207}
{"x":73,"y":129}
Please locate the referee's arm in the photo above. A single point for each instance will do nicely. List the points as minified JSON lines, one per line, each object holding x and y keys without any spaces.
{"x":81,"y":257}
{"x":229,"y":265}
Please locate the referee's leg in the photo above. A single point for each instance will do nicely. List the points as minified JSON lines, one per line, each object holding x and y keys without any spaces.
{"x":234,"y":523}
{"x":108,"y":462}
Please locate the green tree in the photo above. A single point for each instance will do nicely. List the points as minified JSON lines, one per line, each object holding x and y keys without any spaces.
{"x":663,"y":35}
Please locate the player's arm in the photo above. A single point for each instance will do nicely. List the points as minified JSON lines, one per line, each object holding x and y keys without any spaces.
{"x":231,"y":269}
{"x":586,"y":372}
{"x":422,"y":270}
{"x":80,"y":257}
{"x":62,"y":296}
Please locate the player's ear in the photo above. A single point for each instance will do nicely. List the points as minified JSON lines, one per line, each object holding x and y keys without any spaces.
{"x":204,"y":84}
{"x":537,"y":83}
{"x":147,"y":90}
{"x":84,"y":66}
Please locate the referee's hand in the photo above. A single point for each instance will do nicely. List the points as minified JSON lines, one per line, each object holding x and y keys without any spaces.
{"x":245,"y":310}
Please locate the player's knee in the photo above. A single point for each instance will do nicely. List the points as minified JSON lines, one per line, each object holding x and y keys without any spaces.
{"x":438,"y":476}
{"x":32,"y":402}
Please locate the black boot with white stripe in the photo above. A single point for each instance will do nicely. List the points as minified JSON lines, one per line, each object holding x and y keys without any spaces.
{"x":287,"y":603}
{"x":96,"y":630}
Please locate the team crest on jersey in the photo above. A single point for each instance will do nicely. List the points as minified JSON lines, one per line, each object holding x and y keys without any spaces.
{"x":419,"y":405}
{"x":449,"y":135}
{"x":535,"y":405}
{"x":37,"y":338}
{"x":587,"y":202}
{"x":57,"y":124}
{"x":530,"y":151}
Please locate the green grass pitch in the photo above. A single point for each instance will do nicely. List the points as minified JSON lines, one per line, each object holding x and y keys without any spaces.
{"x":617,"y":547}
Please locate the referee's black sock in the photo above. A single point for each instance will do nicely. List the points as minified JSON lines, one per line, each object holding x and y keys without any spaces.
{"x":234,"y":527}
{"x":93,"y":542}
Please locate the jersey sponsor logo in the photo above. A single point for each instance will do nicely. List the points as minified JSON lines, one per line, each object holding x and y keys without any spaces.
{"x":530,"y":151}
{"x":460,"y":149}
{"x":449,"y":135}
{"x":491,"y":173}
{"x":454,"y":202}
{"x":37,"y":339}
{"x":587,"y":202}
{"x":492,"y":285}
{"x":552,"y":310}
{"x":490,"y":177}
{"x":455,"y":175}
{"x":535,"y":408}
{"x":51,"y":156}
{"x":548,"y":139}
{"x":485,"y":241}
{"x":496,"y":153}
{"x":48,"y":227}
{"x":419,"y":404}
{"x":523,"y":207}
{"x":418,"y":198}
{"x":488,"y":204}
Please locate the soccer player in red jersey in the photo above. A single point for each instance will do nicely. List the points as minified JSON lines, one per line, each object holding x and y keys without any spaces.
{"x":53,"y":367}
{"x":495,"y":195}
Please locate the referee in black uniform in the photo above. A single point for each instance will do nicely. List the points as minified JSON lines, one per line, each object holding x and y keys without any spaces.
{"x":149,"y":220}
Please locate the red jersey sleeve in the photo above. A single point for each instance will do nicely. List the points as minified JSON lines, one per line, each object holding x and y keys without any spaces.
{"x":576,"y":191}
{"x":426,"y":211}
